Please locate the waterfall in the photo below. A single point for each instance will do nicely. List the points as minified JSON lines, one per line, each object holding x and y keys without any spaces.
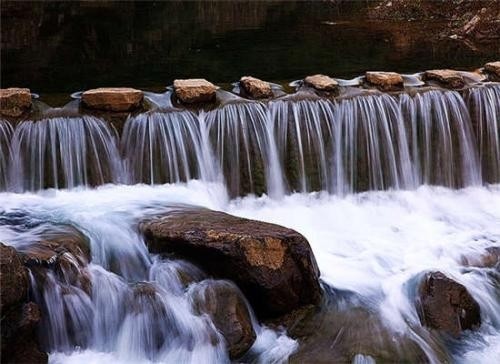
{"x":5,"y":135}
{"x":296,"y":143}
{"x":166,"y":147}
{"x":63,"y":152}
{"x":484,"y":106}
{"x":441,"y":139}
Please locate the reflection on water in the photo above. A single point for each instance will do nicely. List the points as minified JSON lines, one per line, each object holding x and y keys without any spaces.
{"x":68,"y":46}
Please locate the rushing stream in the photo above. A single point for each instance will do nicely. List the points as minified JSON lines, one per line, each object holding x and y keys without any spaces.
{"x":385,"y":187}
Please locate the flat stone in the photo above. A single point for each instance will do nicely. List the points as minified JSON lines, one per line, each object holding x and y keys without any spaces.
{"x":195,"y":90}
{"x":448,"y":78}
{"x":113,"y":98}
{"x":321,"y":82}
{"x":256,"y":88}
{"x":493,"y":68}
{"x":386,"y":81}
{"x":446,"y":305}
{"x":14,"y":101}
{"x":273,"y":266}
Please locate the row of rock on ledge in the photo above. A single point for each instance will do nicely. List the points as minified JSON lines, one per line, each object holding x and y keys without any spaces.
{"x":14,"y":102}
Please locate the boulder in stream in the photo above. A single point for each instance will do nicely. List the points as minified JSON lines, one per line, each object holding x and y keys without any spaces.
{"x":256,"y":88}
{"x":446,"y":305}
{"x":113,"y":98}
{"x":321,"y":82}
{"x":274,"y":266}
{"x":227,"y":308}
{"x":14,"y":101}
{"x":446,"y":78}
{"x":385,"y":81}
{"x":195,"y":90}
{"x":493,"y":70}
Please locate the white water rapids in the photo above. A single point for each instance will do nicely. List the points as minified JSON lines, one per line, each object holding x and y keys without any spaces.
{"x":372,"y":244}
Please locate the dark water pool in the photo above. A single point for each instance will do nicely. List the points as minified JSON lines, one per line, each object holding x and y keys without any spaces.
{"x":61,"y":47}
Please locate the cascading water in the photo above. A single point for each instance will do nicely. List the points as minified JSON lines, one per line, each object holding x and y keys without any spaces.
{"x":441,"y":139}
{"x":63,"y":152}
{"x":5,"y":135}
{"x":485,"y":114}
{"x":166,"y":147}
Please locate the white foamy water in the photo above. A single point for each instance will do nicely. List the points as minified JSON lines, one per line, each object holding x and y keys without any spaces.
{"x":372,"y":244}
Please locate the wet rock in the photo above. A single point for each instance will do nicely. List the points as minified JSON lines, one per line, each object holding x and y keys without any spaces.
{"x":447,"y":78}
{"x":195,"y":90}
{"x":385,"y":81}
{"x":273,"y":266}
{"x":321,"y":82}
{"x":493,"y":70}
{"x":13,"y":277}
{"x":446,"y":305}
{"x":19,"y":337}
{"x":225,"y":304}
{"x":490,"y":258}
{"x":14,"y":101}
{"x":112,"y":98}
{"x":256,"y":88}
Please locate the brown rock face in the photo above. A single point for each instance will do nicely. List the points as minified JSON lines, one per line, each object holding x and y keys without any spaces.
{"x":386,"y":81}
{"x":493,"y":70}
{"x":13,"y":277}
{"x":256,"y":88}
{"x":447,"y":305}
{"x":194,"y":90}
{"x":18,"y":319}
{"x":14,"y":101}
{"x":321,"y":82}
{"x":448,"y":78}
{"x":224,"y":303}
{"x":273,"y":266}
{"x":112,"y":98}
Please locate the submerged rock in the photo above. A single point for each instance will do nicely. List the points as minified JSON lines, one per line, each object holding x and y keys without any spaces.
{"x":113,"y":98}
{"x":227,"y":308}
{"x":321,"y":82}
{"x":493,"y":70}
{"x":256,"y":88}
{"x":447,"y":78}
{"x":490,"y":258}
{"x":14,"y":101}
{"x":195,"y":90}
{"x":385,"y":81}
{"x":446,"y":305}
{"x":273,"y":266}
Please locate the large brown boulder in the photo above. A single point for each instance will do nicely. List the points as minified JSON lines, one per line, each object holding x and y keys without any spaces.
{"x":256,"y":88}
{"x":113,"y":98}
{"x":14,"y":101}
{"x":385,"y":81}
{"x":493,"y":70}
{"x":13,"y":277}
{"x":321,"y":82}
{"x":446,"y":305}
{"x":446,"y":78}
{"x":195,"y":90}
{"x":273,"y":266}
{"x":227,"y":308}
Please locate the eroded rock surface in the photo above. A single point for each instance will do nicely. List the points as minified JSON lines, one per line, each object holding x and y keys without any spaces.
{"x":321,"y":82}
{"x":493,"y":70}
{"x":447,"y":78}
{"x":446,"y":305}
{"x":256,"y":88}
{"x":14,"y":101}
{"x":113,"y":98}
{"x":227,"y":308}
{"x":385,"y":81}
{"x":273,"y":266}
{"x":195,"y":90}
